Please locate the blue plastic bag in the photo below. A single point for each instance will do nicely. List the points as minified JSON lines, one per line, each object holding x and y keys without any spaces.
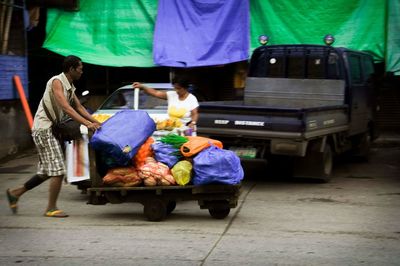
{"x":121,"y":135}
{"x":215,"y":165}
{"x":165,"y":153}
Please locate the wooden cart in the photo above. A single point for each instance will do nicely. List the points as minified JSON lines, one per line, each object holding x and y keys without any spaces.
{"x":159,"y":201}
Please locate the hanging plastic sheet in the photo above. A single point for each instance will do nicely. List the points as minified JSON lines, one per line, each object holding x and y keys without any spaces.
{"x":393,"y":37}
{"x":201,"y":32}
{"x":356,"y":24}
{"x":104,"y":32}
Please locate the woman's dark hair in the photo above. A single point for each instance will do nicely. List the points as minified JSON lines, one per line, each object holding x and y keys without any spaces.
{"x":181,"y":81}
{"x":70,"y":61}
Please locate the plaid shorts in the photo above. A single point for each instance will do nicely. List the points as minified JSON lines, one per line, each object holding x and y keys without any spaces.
{"x":51,"y":157}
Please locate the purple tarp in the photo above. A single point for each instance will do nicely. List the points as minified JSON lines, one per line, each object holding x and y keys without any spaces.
{"x":191,"y":33}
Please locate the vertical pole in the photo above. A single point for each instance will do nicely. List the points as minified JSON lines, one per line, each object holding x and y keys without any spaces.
{"x":7,"y":26}
{"x":136,"y":99}
{"x":24,"y":102}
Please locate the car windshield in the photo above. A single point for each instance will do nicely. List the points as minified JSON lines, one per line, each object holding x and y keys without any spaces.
{"x":124,"y":99}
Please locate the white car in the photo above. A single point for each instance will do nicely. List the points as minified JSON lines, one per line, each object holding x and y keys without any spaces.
{"x":128,"y":98}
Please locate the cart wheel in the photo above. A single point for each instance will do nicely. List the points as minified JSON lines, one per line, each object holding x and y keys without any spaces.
{"x":155,"y":210}
{"x":219,"y":213}
{"x":171,"y":205}
{"x":96,"y":200}
{"x":219,"y":210}
{"x":113,"y":198}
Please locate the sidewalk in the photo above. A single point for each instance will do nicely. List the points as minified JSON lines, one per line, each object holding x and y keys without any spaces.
{"x":388,"y":138}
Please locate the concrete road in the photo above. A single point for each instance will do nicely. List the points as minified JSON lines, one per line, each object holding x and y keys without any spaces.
{"x":353,"y":220}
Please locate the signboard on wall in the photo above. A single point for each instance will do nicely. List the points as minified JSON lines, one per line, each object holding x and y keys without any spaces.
{"x":10,"y":66}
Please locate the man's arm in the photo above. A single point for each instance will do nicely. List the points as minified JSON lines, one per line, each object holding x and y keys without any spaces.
{"x":59,"y":96}
{"x":82,"y":110}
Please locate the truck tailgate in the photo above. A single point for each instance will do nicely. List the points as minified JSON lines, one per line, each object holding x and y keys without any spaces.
{"x":236,"y":119}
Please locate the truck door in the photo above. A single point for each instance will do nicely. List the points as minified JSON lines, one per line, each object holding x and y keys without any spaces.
{"x":360,"y":69}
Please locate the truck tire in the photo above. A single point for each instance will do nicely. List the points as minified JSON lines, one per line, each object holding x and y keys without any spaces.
{"x":316,"y":165}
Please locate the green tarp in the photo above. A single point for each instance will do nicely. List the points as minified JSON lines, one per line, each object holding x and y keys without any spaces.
{"x":120,"y":33}
{"x":393,"y":37}
{"x":105,"y":32}
{"x":356,"y":24}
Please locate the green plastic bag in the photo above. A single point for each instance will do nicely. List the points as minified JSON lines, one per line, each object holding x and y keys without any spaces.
{"x":182,"y":172}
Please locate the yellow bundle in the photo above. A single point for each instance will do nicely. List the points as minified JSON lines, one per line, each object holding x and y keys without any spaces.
{"x":182,"y":172}
{"x":101,"y":117}
{"x":169,"y":124}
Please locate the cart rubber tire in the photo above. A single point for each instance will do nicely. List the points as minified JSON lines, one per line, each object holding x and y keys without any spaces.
{"x":155,"y":210}
{"x":171,"y":205}
{"x":219,"y":209}
{"x":219,"y":213}
{"x":113,"y":198}
{"x":96,"y":200}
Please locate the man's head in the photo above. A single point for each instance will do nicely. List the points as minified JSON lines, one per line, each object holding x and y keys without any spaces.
{"x":72,"y":66}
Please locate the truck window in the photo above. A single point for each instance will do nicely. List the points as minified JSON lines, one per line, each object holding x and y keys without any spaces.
{"x":333,"y":69}
{"x":275,"y":66}
{"x":368,"y":66}
{"x":355,"y":69}
{"x":295,"y":62}
{"x":315,"y":67}
{"x":295,"y":67}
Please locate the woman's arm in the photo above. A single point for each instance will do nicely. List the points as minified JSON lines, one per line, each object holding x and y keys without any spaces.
{"x":194,"y":114}
{"x":150,"y":91}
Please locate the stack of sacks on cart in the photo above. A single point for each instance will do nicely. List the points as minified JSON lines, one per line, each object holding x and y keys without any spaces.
{"x":128,"y":155}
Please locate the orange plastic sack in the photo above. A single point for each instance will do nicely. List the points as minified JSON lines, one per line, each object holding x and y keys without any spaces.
{"x":144,"y":151}
{"x":122,"y":176}
{"x":154,"y":173}
{"x":196,"y":144}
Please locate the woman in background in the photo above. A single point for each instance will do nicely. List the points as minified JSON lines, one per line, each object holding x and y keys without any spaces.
{"x":182,"y":104}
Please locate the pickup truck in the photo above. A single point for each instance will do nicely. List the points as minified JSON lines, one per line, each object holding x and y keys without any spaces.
{"x":303,"y":104}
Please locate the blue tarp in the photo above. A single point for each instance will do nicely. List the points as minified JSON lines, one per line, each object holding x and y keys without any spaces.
{"x":201,"y":32}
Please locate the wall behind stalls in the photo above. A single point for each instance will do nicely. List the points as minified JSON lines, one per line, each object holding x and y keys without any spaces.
{"x":15,"y":134}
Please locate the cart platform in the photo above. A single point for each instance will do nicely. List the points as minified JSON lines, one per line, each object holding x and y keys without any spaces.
{"x":159,"y":201}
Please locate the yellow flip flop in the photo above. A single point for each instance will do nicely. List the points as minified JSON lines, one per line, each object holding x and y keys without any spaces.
{"x":56,"y":213}
{"x":12,"y":202}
